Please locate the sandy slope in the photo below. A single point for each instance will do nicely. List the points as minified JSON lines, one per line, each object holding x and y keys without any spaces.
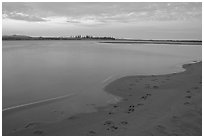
{"x":152,"y":105}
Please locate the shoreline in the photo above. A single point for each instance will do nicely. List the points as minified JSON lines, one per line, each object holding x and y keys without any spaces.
{"x":155,"y":42}
{"x":169,"y":104}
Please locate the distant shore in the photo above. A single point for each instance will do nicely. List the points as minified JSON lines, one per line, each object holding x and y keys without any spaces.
{"x":104,"y":39}
{"x":165,"y":105}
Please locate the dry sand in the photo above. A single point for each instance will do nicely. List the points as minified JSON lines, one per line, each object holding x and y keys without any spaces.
{"x":152,"y":105}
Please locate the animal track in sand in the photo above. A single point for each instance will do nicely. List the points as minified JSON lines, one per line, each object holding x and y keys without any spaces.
{"x":131,"y":109}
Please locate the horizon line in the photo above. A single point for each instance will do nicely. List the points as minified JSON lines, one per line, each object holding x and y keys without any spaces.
{"x":95,"y":36}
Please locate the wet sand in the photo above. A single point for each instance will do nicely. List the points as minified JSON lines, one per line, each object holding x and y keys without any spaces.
{"x":152,"y":105}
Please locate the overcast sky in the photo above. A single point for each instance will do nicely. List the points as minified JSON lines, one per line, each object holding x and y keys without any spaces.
{"x":126,"y":20}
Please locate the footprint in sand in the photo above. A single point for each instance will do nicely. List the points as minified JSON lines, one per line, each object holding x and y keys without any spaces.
{"x":33,"y":124}
{"x":72,"y":118}
{"x":175,"y":117}
{"x":145,"y":97}
{"x":38,"y":132}
{"x":155,"y":87}
{"x":195,"y":88}
{"x":140,"y":104}
{"x":62,"y":113}
{"x":147,"y":86}
{"x":14,"y":130}
{"x":124,"y":122}
{"x":110,"y":126}
{"x":91,"y":132}
{"x":131,"y":84}
{"x":114,"y":128}
{"x":174,"y":134}
{"x":154,"y":79}
{"x":188,"y":91}
{"x":110,"y":113}
{"x":161,"y":128}
{"x":188,"y":96}
{"x":115,"y":106}
{"x":125,"y":99}
{"x":187,"y":103}
{"x":130,"y":88}
{"x":109,"y":122}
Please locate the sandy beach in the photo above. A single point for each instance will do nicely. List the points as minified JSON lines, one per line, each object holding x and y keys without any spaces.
{"x":151,"y":105}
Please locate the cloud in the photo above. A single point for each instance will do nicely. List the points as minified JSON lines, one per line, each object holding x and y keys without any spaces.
{"x":101,"y":13}
{"x":20,"y":11}
{"x":73,"y":21}
{"x":24,"y":17}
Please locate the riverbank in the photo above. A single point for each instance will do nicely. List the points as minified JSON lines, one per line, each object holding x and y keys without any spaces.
{"x":152,"y":105}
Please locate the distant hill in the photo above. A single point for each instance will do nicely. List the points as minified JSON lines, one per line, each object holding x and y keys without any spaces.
{"x":16,"y":37}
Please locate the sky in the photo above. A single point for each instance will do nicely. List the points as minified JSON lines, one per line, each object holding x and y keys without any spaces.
{"x":155,"y":20}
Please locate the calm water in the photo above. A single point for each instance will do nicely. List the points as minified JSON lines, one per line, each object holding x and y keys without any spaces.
{"x":39,"y":70}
